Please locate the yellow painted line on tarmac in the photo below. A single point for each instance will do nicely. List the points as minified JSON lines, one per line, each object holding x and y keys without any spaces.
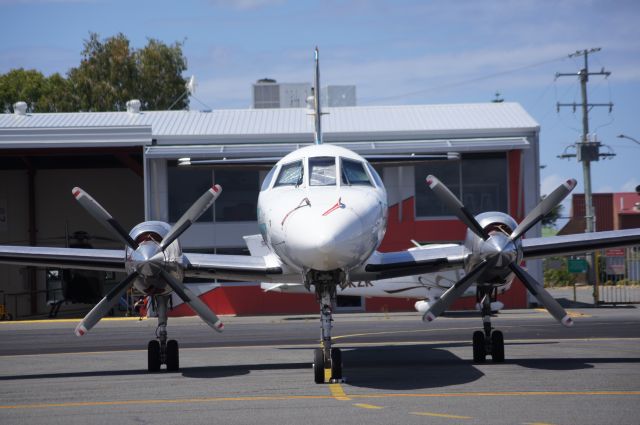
{"x":405,"y":332}
{"x":38,"y":321}
{"x":571,"y":313}
{"x":317,"y":397}
{"x":338,"y":392}
{"x":368,"y":406}
{"x":441,"y":415}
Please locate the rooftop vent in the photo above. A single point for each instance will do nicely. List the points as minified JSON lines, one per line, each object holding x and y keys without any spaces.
{"x":133,"y":106}
{"x":20,"y":108}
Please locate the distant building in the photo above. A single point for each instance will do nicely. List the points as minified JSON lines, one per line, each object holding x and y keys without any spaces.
{"x":268,"y":93}
{"x":614,"y":211}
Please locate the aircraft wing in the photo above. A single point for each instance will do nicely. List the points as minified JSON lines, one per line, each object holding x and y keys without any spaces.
{"x":574,"y":244}
{"x":237,"y":267}
{"x":70,"y":258}
{"x":233,"y":267}
{"x":411,"y":262}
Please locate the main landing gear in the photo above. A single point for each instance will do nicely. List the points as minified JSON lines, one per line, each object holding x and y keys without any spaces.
{"x":326,"y":357}
{"x":489,"y":342}
{"x":162,"y":351}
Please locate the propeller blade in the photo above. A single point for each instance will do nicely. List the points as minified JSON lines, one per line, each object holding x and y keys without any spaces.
{"x":543,"y":208}
{"x":541,"y":294}
{"x":103,"y":307}
{"x":99,"y":213}
{"x":193,"y":213}
{"x":454,"y":205}
{"x":205,"y":313}
{"x":453,"y":293}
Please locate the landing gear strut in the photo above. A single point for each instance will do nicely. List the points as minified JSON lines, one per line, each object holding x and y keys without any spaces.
{"x":489,"y":342}
{"x":326,"y":357}
{"x":162,"y":351}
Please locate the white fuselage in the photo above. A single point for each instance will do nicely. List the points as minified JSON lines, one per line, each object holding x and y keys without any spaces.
{"x":322,"y":208}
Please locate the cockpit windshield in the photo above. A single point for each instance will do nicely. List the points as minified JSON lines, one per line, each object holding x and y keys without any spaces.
{"x":353,"y":173}
{"x":290,"y":174}
{"x":322,"y":171}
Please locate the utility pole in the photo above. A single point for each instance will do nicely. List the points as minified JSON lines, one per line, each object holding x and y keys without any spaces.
{"x":587,"y":150}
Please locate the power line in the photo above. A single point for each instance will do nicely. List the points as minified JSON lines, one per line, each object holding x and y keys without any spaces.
{"x":463,"y":82}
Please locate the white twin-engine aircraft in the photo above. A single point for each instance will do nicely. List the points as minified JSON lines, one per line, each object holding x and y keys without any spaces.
{"x":322,"y":213}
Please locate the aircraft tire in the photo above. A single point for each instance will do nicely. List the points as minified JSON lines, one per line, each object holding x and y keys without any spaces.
{"x":336,"y":363}
{"x":318,"y":366}
{"x":153,"y":356}
{"x":497,"y":347}
{"x":173,"y":355}
{"x":479,"y":353}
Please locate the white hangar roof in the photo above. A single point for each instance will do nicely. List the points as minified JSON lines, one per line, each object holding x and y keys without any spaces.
{"x":412,"y":123}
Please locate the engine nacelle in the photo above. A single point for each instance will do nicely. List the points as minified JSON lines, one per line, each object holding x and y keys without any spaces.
{"x":499,"y":226}
{"x":148,"y":259}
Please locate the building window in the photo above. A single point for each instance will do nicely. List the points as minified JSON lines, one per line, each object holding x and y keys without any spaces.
{"x":479,"y":181}
{"x":484,"y":184}
{"x":239,"y":198}
{"x":185,"y":186}
{"x":448,"y":172}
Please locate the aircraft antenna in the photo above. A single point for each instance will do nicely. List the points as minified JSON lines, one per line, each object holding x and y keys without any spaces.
{"x":316,"y":101}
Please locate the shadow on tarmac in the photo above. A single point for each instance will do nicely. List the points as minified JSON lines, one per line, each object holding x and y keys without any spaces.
{"x":406,"y":367}
{"x":189,"y":372}
{"x":569,"y":363}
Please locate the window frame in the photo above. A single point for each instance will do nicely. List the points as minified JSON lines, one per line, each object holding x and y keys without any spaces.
{"x":282,"y":167}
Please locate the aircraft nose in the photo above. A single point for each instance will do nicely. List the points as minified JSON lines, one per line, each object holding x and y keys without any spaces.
{"x":324,"y":241}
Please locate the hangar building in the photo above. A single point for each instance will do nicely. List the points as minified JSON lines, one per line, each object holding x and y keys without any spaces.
{"x":128,"y":161}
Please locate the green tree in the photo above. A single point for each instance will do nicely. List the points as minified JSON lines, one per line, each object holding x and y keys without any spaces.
{"x":21,"y":85}
{"x":160,"y":79}
{"x":553,"y":215}
{"x":110,"y":73}
{"x":106,"y":77}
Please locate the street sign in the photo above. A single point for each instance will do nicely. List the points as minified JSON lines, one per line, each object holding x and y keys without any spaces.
{"x":577,"y":265}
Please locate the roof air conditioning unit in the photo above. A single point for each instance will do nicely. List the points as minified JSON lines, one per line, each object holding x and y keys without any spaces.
{"x":133,"y":106}
{"x":20,"y":108}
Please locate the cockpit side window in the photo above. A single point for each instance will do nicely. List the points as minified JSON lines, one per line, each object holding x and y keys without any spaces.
{"x":322,"y":171}
{"x":375,"y":175}
{"x":290,"y":174}
{"x":267,"y":180}
{"x":353,"y":173}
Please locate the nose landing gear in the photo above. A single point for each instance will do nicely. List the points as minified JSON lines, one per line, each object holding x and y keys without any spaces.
{"x":326,"y":357}
{"x":491,"y":341}
{"x":162,"y":351}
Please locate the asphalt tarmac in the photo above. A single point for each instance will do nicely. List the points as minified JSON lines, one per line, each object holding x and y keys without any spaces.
{"x":398,"y":370}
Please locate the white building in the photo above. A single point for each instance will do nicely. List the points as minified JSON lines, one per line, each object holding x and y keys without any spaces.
{"x":128,"y":161}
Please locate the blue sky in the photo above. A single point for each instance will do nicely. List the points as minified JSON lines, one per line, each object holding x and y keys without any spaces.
{"x":395,"y":52}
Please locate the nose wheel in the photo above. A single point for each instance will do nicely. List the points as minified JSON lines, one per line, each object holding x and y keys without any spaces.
{"x":490,"y":342}
{"x":320,"y":363}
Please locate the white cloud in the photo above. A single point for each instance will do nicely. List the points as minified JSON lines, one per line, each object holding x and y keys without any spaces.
{"x":248,"y":4}
{"x":630,"y":185}
{"x":550,"y":183}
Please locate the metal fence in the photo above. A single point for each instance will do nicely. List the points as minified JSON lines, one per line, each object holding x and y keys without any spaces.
{"x":619,"y":276}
